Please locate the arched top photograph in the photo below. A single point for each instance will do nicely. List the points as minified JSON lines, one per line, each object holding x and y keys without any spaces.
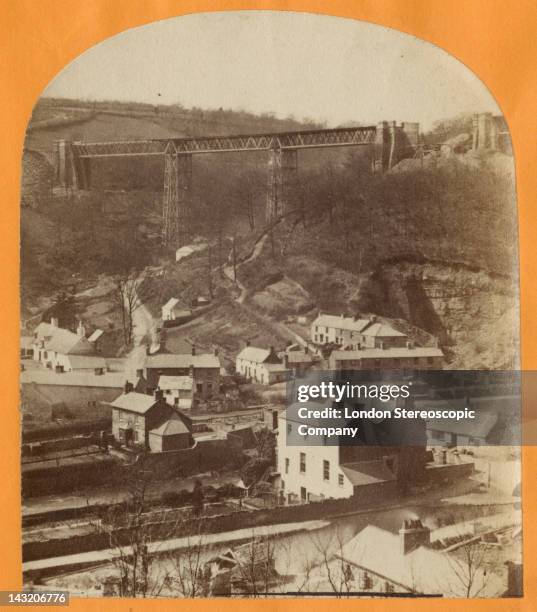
{"x":216,"y":209}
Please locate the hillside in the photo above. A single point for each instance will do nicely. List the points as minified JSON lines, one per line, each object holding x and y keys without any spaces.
{"x":429,"y":243}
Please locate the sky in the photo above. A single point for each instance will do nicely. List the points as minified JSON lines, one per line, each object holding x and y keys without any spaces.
{"x":309,"y":66}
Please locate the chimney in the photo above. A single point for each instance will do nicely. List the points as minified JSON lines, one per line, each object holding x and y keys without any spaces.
{"x":139,"y":373}
{"x":373,"y":318}
{"x":54,"y":321}
{"x":410,"y":344}
{"x":128,"y":387}
{"x":286,"y":361}
{"x":159,"y":394}
{"x":306,"y":349}
{"x":413,"y":534}
{"x":216,"y":351}
{"x":247,"y":342}
{"x":81,"y":330}
{"x":193,"y":349}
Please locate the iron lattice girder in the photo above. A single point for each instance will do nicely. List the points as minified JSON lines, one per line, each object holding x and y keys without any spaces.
{"x":339,"y":137}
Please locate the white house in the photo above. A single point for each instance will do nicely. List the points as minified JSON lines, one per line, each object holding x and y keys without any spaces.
{"x":261,"y":365}
{"x":312,"y":473}
{"x":353,"y":332}
{"x":178,"y":390}
{"x":378,"y":560}
{"x":64,"y":351}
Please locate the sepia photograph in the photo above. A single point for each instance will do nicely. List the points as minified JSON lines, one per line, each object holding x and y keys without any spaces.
{"x":269,"y":301}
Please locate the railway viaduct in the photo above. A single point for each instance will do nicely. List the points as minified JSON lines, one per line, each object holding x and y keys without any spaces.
{"x":387,"y":142}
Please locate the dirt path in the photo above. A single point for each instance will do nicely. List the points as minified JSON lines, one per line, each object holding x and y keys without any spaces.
{"x":228,"y":267}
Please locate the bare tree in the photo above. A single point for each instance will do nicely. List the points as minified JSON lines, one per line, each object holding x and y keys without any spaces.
{"x":135,"y":535}
{"x":255,"y":571}
{"x":188,"y":575}
{"x":469,"y":564}
{"x":126,"y":296}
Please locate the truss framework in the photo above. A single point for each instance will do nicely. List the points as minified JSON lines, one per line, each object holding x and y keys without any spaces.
{"x":176,"y":201}
{"x":177,"y":154}
{"x":251,"y":142}
{"x":282,"y":182}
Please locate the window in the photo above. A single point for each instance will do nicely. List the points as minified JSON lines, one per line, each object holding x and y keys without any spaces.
{"x":388,"y":587}
{"x":289,"y":428}
{"x":303,"y":494}
{"x":366,"y":582}
{"x":136,"y":437}
{"x":302,"y":463}
{"x":287,"y":465}
{"x":340,"y":480}
{"x":326,"y":470}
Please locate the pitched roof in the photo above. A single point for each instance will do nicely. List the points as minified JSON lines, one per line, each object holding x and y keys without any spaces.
{"x":171,"y":303}
{"x":388,"y":353}
{"x":183,"y":383}
{"x":382,"y":330}
{"x":170,"y":360}
{"x":253,"y":353}
{"x":171,"y":427}
{"x":341,"y":322}
{"x":62,"y":340}
{"x":108,"y":380}
{"x":423,"y":570}
{"x":83,"y":362}
{"x":367,"y":472}
{"x":44,"y":330}
{"x":134,"y":402}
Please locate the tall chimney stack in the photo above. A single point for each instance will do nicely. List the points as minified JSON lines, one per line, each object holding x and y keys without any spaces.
{"x":413,"y":534}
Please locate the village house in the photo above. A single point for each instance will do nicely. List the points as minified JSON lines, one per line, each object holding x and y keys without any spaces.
{"x":178,"y":390}
{"x":64,"y":351}
{"x":261,"y":365}
{"x":409,"y":357}
{"x":481,"y":430}
{"x":325,"y":469}
{"x":150,"y":421}
{"x":354,"y":332}
{"x":203,"y":368}
{"x":380,"y":561}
